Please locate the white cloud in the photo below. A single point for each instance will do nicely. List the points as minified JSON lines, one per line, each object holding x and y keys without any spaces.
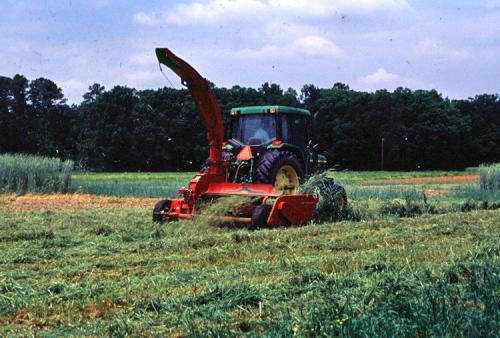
{"x":286,"y":30}
{"x":316,"y":46}
{"x":311,"y":46}
{"x":439,"y":49}
{"x":144,"y":19}
{"x":380,"y":76}
{"x":330,"y":7}
{"x":266,"y":52}
{"x":215,"y":11}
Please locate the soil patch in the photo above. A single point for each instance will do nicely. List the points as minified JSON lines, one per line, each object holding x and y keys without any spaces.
{"x":463,"y":179}
{"x":58,"y":202}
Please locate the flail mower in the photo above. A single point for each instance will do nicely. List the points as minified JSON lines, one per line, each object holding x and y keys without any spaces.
{"x":266,"y":156}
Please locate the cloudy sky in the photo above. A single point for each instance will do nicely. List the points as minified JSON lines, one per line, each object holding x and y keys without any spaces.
{"x":453,"y":46}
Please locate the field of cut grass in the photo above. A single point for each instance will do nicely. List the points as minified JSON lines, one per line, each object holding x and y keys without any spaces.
{"x":89,"y":265}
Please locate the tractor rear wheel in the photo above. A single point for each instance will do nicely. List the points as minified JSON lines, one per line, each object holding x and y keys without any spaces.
{"x":163,"y":205}
{"x":259,"y":216}
{"x":280,"y":168}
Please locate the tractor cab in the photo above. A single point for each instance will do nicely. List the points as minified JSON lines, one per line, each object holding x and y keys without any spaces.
{"x":261,"y":125}
{"x":270,"y":144}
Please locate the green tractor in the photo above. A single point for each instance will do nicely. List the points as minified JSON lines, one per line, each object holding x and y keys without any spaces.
{"x":267,"y":153}
{"x":271,"y":145}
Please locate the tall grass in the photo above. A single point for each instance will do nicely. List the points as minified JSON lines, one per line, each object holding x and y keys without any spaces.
{"x":136,"y":189}
{"x":29,"y":173}
{"x":130,"y":184}
{"x":489,"y":177}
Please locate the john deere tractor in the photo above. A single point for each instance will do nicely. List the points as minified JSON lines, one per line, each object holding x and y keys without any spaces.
{"x":271,"y":145}
{"x":266,"y":155}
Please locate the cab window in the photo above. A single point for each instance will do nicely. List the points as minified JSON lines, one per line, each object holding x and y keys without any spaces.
{"x":254,"y":129}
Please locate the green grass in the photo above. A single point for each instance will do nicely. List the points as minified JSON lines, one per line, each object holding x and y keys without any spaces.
{"x":167,"y":184}
{"x":489,"y":177}
{"x":114,"y":272}
{"x":130,"y":184}
{"x":29,"y":173}
{"x":347,"y":177}
{"x":409,"y":265}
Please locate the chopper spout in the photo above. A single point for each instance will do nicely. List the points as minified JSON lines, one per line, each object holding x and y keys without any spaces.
{"x":205,"y":101}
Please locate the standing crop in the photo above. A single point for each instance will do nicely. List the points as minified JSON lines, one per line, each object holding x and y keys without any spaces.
{"x":489,"y":177}
{"x":28,"y":173}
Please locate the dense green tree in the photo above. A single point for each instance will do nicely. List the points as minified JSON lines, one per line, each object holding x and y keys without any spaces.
{"x":483,"y":142}
{"x":46,"y":114}
{"x":6,"y":115}
{"x":112,"y":120}
{"x":126,"y":129}
{"x":13,"y":115}
{"x":86,"y":133}
{"x":94,"y":92}
{"x":309,"y":95}
{"x":170,"y":135}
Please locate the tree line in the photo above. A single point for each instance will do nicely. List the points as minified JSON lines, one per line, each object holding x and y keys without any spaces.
{"x":124,"y":129}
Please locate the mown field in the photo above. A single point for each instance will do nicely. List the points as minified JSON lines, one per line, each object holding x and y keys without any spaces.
{"x":417,"y":256}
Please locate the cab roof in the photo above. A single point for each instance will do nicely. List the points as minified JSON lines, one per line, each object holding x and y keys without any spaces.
{"x":265,"y":109}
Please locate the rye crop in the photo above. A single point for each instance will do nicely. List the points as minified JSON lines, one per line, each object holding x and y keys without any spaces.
{"x":489,"y":177}
{"x":29,"y":173}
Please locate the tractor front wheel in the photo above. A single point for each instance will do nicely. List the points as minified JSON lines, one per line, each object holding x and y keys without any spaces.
{"x":259,"y":216}
{"x":161,"y":206}
{"x":280,"y":168}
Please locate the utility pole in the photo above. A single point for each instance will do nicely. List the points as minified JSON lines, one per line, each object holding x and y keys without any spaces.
{"x":382,"y":154}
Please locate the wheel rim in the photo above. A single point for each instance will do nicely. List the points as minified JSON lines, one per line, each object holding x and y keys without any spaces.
{"x":287,"y":180}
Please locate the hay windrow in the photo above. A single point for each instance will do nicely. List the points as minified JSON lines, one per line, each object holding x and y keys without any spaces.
{"x":329,"y":197}
{"x":212,"y":211}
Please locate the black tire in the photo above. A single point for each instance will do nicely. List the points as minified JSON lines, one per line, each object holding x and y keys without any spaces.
{"x":269,"y":163}
{"x":160,"y":206}
{"x":259,"y":216}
